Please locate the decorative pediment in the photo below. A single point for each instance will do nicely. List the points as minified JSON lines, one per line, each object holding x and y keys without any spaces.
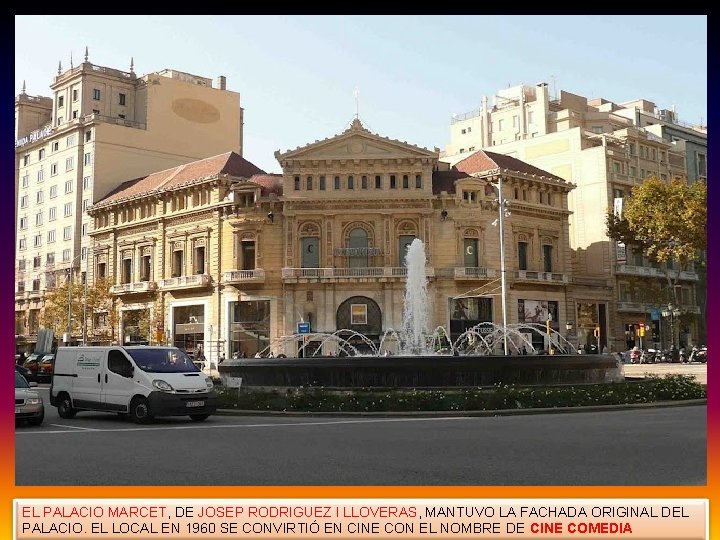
{"x":356,"y":143}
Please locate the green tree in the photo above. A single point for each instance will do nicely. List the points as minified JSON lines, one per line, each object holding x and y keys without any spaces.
{"x":667,"y":222}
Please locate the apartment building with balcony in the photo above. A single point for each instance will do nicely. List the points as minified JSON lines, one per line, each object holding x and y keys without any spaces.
{"x":100,"y":127}
{"x":604,"y":149}
{"x":324,"y":244}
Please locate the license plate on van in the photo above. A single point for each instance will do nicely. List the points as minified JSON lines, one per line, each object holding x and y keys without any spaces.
{"x":195,"y":404}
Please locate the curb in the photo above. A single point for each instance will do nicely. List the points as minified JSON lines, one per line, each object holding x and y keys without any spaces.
{"x":499,"y":412}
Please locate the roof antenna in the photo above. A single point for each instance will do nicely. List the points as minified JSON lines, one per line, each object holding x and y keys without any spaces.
{"x":59,"y":67}
{"x":71,"y":63}
{"x":132,"y":65}
{"x":86,"y":53}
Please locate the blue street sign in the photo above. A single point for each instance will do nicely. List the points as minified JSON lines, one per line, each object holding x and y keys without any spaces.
{"x":655,"y":314}
{"x":303,"y":328}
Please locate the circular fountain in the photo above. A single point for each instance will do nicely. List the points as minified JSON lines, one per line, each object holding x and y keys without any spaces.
{"x":414,"y":357}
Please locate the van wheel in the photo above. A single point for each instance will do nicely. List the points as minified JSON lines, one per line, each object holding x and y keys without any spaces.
{"x":65,"y":408}
{"x":199,"y":417}
{"x":140,"y":411}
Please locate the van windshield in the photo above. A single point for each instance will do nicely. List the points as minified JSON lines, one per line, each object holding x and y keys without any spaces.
{"x":162,"y":360}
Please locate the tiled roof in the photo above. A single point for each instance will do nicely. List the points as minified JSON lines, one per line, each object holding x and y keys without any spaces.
{"x":228,"y":163}
{"x":483,"y":160}
{"x":445,"y":180}
{"x":271,"y":183}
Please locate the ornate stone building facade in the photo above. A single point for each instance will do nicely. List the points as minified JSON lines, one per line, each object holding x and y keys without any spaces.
{"x":232,"y":259}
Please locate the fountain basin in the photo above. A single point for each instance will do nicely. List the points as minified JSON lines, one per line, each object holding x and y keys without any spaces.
{"x":429,"y":371}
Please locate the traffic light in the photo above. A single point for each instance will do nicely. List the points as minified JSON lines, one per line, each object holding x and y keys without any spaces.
{"x":641,"y":329}
{"x":596,"y":332}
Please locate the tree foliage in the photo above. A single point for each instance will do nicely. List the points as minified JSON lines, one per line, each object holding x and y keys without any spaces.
{"x":667,"y":221}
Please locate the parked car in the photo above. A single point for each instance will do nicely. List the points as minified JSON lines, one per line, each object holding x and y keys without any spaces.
{"x":32,"y":362}
{"x":25,"y":372}
{"x":45,"y":368}
{"x":28,"y":403}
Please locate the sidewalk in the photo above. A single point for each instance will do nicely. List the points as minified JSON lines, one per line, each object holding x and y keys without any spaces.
{"x":699,"y":371}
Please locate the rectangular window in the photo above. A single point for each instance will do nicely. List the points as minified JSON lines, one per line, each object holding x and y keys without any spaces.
{"x":501,"y":124}
{"x":418,"y":181}
{"x":52,"y":214}
{"x":37,"y":240}
{"x":69,"y":186}
{"x":87,"y":160}
{"x":199,"y":260}
{"x":24,"y":201}
{"x":23,"y":243}
{"x":337,"y":182}
{"x":70,"y":163}
{"x":364,"y":182}
{"x":471,"y":256}
{"x":74,"y":115}
{"x":145,"y":268}
{"x":83,"y":255}
{"x":701,"y":164}
{"x":39,"y":197}
{"x":297,"y":183}
{"x":55,"y":146}
{"x":75,"y":94}
{"x":41,"y":175}
{"x":86,"y":183}
{"x":67,"y":233}
{"x":88,"y":135}
{"x":378,"y":182}
{"x":247,"y":252}
{"x":547,"y":258}
{"x":61,"y":101}
{"x":351,"y":182}
{"x":85,"y":204}
{"x":403,"y":245}
{"x":67,"y":210}
{"x":26,"y":159}
{"x":37,"y":261}
{"x":596,"y":129}
{"x":101,"y":270}
{"x":663,"y":177}
{"x":309,"y":183}
{"x":25,"y":181}
{"x":522,"y":256}
{"x":51,"y":237}
{"x":96,"y":94}
{"x":633,"y":171}
{"x":35,"y":287}
{"x":50,"y":258}
{"x":38,"y":219}
{"x":71,"y":141}
{"x":121,"y":116}
{"x":322,"y":183}
{"x":84,"y":229}
{"x":406,"y":181}
{"x":53,"y":169}
{"x":41,"y":154}
{"x":126,"y":271}
{"x":393,"y":183}
{"x":23,"y":222}
{"x":310,"y":246}
{"x":121,"y":99}
{"x":177,"y":263}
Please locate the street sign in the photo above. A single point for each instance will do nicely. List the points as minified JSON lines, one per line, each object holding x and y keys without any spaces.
{"x":303,"y":328}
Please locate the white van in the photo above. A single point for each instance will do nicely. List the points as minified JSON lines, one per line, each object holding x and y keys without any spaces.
{"x":141,"y":381}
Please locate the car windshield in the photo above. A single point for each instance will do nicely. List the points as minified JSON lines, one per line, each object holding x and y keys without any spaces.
{"x":162,"y":360}
{"x":20,"y":381}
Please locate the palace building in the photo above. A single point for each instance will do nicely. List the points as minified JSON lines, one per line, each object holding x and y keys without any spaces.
{"x":228,"y":260}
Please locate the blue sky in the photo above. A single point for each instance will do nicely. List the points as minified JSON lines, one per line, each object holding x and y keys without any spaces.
{"x":296,"y":74}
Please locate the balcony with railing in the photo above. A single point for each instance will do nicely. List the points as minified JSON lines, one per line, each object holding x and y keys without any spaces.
{"x":378,"y":273}
{"x":545,"y":277}
{"x":475,"y":272}
{"x":133,"y":288}
{"x":185,"y":282}
{"x":235,"y":277}
{"x":652,"y":271}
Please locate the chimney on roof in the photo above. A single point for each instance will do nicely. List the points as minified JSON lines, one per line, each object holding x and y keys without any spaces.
{"x":221,"y":82}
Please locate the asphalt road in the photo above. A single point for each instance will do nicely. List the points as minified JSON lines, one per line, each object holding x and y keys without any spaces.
{"x":652,"y":446}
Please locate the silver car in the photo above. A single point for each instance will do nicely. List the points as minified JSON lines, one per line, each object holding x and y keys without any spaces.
{"x":28,"y":403}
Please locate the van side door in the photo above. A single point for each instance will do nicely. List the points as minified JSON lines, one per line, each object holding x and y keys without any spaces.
{"x":118,"y":382}
{"x":86,"y":391}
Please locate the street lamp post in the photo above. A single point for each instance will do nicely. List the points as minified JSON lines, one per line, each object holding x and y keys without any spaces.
{"x":502,"y":211}
{"x":568,"y":329}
